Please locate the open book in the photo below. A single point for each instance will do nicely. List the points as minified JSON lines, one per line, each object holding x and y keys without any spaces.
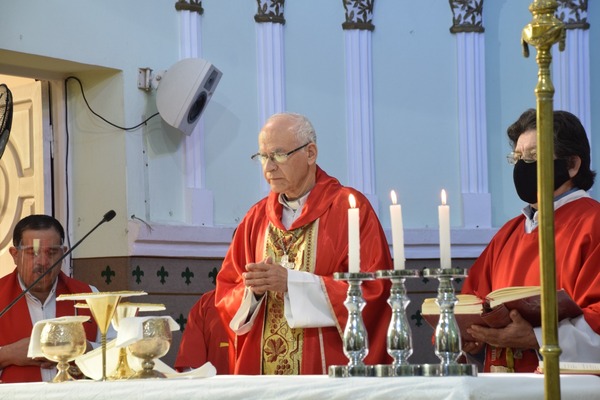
{"x":493,"y":311}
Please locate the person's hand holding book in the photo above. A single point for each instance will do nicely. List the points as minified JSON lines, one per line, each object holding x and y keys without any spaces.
{"x":518,"y":334}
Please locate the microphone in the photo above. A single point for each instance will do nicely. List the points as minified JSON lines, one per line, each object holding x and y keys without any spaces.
{"x":107,"y":217}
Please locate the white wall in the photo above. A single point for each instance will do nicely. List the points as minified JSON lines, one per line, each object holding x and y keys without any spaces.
{"x":414,"y":88}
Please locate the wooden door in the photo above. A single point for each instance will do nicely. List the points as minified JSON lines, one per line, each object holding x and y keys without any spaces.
{"x":23,"y":164}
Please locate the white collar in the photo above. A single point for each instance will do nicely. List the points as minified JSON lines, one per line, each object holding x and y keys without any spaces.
{"x":531,"y":219}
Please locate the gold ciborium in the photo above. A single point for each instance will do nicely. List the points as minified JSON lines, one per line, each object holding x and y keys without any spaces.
{"x":62,"y":340}
{"x":155,"y":343}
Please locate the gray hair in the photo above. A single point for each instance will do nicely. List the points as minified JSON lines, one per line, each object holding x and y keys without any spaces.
{"x":301,"y":126}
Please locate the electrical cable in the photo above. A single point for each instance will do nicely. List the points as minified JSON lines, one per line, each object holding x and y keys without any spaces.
{"x":67,"y":143}
{"x":101,"y":117}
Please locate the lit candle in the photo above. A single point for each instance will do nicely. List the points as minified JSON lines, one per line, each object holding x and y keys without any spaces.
{"x":444,"y":218}
{"x":353,"y":236}
{"x":397,"y":232}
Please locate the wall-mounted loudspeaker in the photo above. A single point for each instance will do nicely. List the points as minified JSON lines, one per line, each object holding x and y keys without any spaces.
{"x":184,"y":90}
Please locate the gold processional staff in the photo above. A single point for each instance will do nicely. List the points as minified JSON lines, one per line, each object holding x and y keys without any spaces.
{"x":542,"y":33}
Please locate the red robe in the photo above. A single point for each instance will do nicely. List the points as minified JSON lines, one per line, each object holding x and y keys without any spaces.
{"x":16,"y":323}
{"x":327,"y":203}
{"x":204,"y":338}
{"x":512,"y":259}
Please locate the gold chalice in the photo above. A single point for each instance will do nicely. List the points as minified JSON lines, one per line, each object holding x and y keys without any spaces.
{"x":102,"y":306}
{"x":126,"y":310}
{"x":155,"y":343}
{"x":62,"y":340}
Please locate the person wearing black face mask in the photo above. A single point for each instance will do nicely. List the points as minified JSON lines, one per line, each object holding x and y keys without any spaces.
{"x":525,"y":176}
{"x":512,"y":257}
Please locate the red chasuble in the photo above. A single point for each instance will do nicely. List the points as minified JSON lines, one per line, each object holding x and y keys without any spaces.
{"x":512,"y":259}
{"x":328,"y":205}
{"x":204,"y":338}
{"x":16,"y":323}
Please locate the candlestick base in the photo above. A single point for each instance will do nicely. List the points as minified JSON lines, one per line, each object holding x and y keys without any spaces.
{"x":355,"y":340}
{"x":390,"y":370}
{"x":346,"y":371}
{"x":447,"y":333}
{"x":399,"y":337}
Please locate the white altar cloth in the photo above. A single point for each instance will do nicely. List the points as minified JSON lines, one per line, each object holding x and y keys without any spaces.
{"x":484,"y":386}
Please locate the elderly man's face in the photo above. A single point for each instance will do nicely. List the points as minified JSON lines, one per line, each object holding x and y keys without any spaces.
{"x":38,"y":251}
{"x":293,"y":177}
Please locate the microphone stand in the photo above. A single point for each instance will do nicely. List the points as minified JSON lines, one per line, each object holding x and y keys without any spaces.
{"x":107,"y":217}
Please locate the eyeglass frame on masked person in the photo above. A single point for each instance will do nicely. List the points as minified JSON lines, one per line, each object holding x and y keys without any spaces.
{"x":514,"y":157}
{"x":277,"y":158}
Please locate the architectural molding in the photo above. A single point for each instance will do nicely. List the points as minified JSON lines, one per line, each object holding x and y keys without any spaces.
{"x":270,"y":11}
{"x":467,"y":16}
{"x":213,"y":242}
{"x":573,"y":13}
{"x":190,"y":5}
{"x":359,"y":15}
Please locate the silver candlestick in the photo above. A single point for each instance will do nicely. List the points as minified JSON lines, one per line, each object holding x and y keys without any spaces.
{"x":447,"y":333}
{"x":356,"y":341}
{"x":399,"y":337}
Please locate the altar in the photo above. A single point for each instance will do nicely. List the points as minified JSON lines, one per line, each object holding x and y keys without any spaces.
{"x":484,"y":386}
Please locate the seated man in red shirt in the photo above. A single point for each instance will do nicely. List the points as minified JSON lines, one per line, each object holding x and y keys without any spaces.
{"x":204,"y":338}
{"x":37,"y":246}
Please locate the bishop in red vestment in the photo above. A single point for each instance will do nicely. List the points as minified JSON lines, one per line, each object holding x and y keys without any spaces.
{"x":282,"y":260}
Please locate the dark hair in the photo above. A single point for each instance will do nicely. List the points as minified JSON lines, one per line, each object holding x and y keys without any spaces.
{"x":37,"y":222}
{"x":570,"y":140}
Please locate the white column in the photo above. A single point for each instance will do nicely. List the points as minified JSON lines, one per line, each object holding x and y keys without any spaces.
{"x":571,"y":76}
{"x":467,"y":25}
{"x":270,"y":66}
{"x":476,"y":198}
{"x":270,"y":70}
{"x":359,"y":112}
{"x":198,"y":199}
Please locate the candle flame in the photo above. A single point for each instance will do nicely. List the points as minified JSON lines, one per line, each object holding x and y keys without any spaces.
{"x":352,"y":201}
{"x":443,"y":197}
{"x":393,"y":196}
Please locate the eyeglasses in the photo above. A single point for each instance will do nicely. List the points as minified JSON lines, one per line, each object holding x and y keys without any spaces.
{"x":48,"y":251}
{"x":277,"y":158}
{"x":513,"y":158}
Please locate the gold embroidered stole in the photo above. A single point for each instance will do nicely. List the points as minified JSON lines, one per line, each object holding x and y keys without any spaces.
{"x":282,"y":345}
